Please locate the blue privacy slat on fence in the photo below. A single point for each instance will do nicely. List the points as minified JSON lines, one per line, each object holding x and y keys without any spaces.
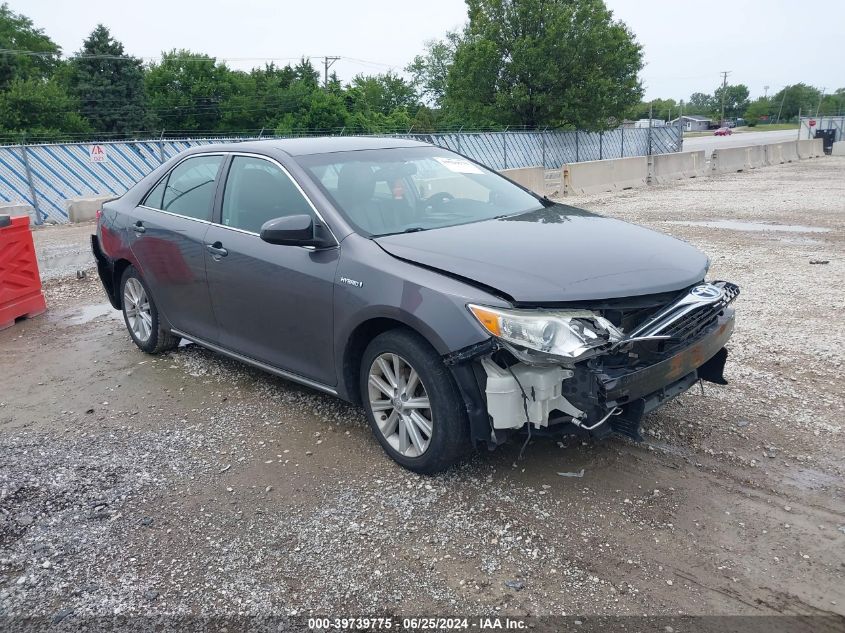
{"x":13,"y":183}
{"x":63,"y":171}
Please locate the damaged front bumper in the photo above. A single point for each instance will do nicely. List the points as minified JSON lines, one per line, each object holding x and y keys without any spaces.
{"x":610,"y":392}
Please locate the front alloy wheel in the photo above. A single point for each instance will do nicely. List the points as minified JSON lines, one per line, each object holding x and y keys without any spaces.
{"x":400,"y":405}
{"x":412,"y":402}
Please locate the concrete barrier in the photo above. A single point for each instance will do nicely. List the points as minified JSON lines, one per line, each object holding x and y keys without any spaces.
{"x":85,"y":209}
{"x":668,"y":167}
{"x":533,"y":178}
{"x":596,"y":176}
{"x":838,"y":149}
{"x":778,"y":153}
{"x":729,"y":159}
{"x":755,"y":156}
{"x":17,"y":208}
{"x":811,"y":148}
{"x":725,"y":159}
{"x":774,"y":154}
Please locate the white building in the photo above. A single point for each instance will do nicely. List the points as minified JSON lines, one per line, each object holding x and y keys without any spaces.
{"x":694,"y":122}
{"x":642,"y":123}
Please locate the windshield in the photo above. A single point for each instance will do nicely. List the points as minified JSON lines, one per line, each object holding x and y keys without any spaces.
{"x":386,"y":191}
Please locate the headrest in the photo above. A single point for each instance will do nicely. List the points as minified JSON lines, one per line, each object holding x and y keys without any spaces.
{"x":355,"y":183}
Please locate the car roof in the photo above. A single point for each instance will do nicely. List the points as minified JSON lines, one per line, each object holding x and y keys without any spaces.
{"x":318,"y":145}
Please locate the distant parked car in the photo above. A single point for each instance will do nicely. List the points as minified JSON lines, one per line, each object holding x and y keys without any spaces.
{"x":456,"y":307}
{"x":723,"y":131}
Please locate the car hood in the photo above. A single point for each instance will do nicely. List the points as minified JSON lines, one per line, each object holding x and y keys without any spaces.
{"x":555,"y":254}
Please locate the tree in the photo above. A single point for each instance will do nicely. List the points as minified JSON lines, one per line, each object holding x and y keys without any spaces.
{"x":268,"y":92}
{"x":657,"y":108}
{"x":796,"y":98}
{"x":700,"y":103}
{"x":242,"y":107}
{"x":381,"y":93}
{"x":833,"y":103}
{"x":425,"y":120}
{"x":109,"y":85}
{"x":378,"y":123}
{"x":17,"y":33}
{"x":326,"y":111}
{"x":736,"y":100}
{"x":305,"y":73}
{"x":759,"y":110}
{"x":544,"y":63}
{"x":430,"y":71}
{"x":40,"y":109}
{"x":186,"y":91}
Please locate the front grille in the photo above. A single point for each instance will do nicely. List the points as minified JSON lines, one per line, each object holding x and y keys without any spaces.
{"x":688,"y":317}
{"x":691,"y":325}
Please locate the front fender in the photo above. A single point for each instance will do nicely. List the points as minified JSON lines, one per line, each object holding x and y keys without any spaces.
{"x":371,"y":284}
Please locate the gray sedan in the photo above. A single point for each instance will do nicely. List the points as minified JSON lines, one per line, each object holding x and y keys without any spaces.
{"x":456,"y":307}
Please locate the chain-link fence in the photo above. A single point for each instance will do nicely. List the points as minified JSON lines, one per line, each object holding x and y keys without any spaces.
{"x":822,"y":122}
{"x":44,"y":176}
{"x":506,"y":150}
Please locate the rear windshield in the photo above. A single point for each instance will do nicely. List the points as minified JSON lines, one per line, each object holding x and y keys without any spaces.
{"x":387,"y":191}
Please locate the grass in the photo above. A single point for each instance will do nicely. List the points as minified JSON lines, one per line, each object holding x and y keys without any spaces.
{"x":771,"y":127}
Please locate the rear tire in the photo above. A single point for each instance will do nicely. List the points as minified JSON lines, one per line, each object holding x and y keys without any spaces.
{"x":412,"y":403}
{"x":141,"y":315}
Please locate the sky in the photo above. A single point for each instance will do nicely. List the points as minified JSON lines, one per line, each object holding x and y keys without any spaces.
{"x":686,"y":44}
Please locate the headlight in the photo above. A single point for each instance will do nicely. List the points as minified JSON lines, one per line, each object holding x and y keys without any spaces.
{"x":568,"y":334}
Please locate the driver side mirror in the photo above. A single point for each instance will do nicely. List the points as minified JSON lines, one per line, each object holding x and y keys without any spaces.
{"x":295,"y":230}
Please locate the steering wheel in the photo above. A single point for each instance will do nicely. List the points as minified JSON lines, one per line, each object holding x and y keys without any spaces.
{"x":436,"y":200}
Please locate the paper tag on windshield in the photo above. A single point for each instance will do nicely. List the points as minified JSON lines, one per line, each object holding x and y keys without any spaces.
{"x":458,"y":165}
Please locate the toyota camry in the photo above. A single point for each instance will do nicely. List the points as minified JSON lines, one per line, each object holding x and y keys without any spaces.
{"x":456,"y":307}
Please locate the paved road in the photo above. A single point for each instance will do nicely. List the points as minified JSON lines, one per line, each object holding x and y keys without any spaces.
{"x":740,"y":139}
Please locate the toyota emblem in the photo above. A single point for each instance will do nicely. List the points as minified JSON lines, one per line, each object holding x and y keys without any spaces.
{"x":707,"y":292}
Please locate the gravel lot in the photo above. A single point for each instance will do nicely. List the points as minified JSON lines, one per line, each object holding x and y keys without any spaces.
{"x":188,"y":484}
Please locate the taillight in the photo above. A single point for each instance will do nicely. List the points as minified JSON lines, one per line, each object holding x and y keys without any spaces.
{"x":99,"y":213}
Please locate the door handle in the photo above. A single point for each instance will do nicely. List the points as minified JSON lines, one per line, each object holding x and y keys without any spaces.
{"x":217,"y":249}
{"x":139,"y":227}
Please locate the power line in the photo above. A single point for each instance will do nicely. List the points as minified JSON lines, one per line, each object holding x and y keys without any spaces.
{"x":366,"y":62}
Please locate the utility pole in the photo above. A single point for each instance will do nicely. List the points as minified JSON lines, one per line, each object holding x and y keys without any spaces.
{"x":765,"y":92}
{"x":725,"y":74}
{"x":328,"y":61}
{"x":821,"y":96}
{"x":781,"y":106}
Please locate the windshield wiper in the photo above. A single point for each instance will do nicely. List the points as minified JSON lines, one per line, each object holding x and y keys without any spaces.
{"x":413,"y":229}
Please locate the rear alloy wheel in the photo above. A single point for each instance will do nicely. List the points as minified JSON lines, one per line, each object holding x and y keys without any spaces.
{"x":412,"y":402}
{"x":141,"y":315}
{"x":136,"y":307}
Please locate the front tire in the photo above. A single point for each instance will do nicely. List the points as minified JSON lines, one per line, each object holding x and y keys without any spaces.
{"x":412,"y":403}
{"x":141,"y":316}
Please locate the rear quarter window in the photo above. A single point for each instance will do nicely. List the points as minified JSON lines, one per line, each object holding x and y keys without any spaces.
{"x":188,"y":189}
